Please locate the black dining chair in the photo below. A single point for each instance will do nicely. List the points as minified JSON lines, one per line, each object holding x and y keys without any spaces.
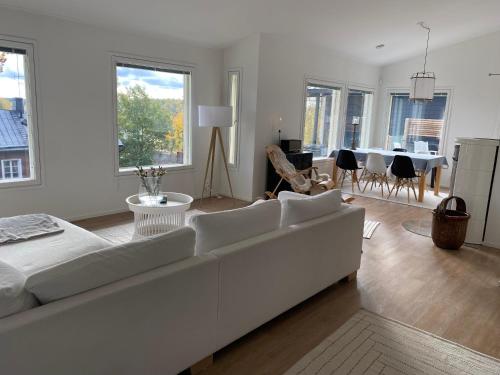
{"x":397,"y":149}
{"x":404,"y":171}
{"x":349,"y":165}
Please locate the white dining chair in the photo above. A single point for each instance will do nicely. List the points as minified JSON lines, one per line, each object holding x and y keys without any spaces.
{"x":376,"y":172}
{"x":421,"y":147}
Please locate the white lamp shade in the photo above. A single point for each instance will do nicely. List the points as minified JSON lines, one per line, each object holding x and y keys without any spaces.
{"x":214,"y":116}
{"x":422,"y":86}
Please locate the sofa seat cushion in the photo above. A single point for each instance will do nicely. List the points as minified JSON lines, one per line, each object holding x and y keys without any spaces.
{"x":14,"y":297}
{"x":110,"y":264}
{"x":36,"y":254}
{"x":218,"y":229}
{"x":297,"y":208}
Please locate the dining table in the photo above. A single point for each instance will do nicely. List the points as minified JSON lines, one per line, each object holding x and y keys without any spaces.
{"x":423,"y":163}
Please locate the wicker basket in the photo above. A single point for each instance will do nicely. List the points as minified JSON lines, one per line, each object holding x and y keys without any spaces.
{"x":449,"y":227}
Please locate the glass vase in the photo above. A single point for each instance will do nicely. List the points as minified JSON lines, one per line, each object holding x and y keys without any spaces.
{"x":149,"y":190}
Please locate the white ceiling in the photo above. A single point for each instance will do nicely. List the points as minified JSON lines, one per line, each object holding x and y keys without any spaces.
{"x":351,"y":27}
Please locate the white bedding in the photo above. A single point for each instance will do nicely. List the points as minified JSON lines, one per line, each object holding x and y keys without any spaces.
{"x":39,"y":253}
{"x":25,"y":227}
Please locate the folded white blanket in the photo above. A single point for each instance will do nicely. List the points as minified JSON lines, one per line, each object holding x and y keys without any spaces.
{"x":25,"y":227}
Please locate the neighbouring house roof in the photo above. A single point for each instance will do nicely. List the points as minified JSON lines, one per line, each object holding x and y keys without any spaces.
{"x":13,"y":134}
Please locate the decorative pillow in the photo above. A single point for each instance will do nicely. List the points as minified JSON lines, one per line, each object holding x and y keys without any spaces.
{"x":285,"y":194}
{"x":111,"y":264}
{"x":297,"y":208}
{"x":14,"y":297}
{"x":218,"y":229}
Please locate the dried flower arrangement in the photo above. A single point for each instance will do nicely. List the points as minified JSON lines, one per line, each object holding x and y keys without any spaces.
{"x":153,"y":172}
{"x":151,"y":179}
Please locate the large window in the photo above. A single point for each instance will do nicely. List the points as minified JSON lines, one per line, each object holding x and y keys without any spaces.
{"x":416,"y":125}
{"x":152,"y":114}
{"x":358,"y":118}
{"x":322,"y":110}
{"x":233,"y":95}
{"x":18,"y":151}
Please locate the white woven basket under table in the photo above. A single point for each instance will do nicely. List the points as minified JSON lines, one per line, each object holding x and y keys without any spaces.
{"x":155,"y":218}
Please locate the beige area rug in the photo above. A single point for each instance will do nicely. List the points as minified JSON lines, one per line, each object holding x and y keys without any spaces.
{"x":422,"y":227}
{"x":371,"y":344}
{"x":430,"y":200}
{"x":122,"y":233}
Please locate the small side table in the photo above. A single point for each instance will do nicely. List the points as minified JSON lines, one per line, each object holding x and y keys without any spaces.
{"x":155,"y":218}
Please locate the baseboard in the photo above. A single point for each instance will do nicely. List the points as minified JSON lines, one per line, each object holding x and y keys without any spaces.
{"x":95,"y":214}
{"x":492,"y":245}
{"x":123,"y":210}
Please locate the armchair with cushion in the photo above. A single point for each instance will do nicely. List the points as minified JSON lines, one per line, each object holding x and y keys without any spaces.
{"x":300,"y":181}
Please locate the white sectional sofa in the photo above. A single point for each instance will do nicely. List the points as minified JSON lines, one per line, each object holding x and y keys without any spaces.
{"x":165,"y":319}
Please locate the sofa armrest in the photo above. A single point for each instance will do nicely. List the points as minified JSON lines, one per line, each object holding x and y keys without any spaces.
{"x":262,"y":277}
{"x":139,"y":325}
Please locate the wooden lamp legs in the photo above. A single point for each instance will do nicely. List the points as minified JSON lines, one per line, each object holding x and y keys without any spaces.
{"x":210,"y":162}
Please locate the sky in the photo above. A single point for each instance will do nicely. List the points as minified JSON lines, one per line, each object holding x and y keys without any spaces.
{"x":158,"y":85}
{"x":10,"y":85}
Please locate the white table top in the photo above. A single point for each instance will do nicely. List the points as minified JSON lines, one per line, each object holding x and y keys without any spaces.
{"x":175,"y":202}
{"x":412,"y":155}
{"x":422,"y":162}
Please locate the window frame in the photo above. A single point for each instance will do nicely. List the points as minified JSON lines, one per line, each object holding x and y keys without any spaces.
{"x":188,"y":129}
{"x":443,"y":142}
{"x":239,"y":73}
{"x":356,"y":87}
{"x":339,"y":85}
{"x":32,"y":99}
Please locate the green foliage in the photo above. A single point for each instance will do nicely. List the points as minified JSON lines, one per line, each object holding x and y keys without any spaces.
{"x":5,"y":104}
{"x":175,"y":137}
{"x":143,"y":124}
{"x":309,"y":121}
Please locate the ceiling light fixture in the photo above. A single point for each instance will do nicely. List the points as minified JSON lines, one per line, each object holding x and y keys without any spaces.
{"x":423,"y":83}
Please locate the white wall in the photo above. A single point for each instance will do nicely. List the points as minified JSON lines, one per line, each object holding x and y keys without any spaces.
{"x":75,"y":102}
{"x":284,"y":65}
{"x":475,"y":98}
{"x":244,"y":55}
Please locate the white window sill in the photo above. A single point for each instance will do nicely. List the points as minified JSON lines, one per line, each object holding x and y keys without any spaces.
{"x":173,"y":168}
{"x":18,"y":182}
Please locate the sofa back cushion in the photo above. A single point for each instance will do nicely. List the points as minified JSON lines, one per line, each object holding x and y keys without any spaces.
{"x":14,"y":297}
{"x":218,"y":229}
{"x":110,"y":264}
{"x":297,"y":208}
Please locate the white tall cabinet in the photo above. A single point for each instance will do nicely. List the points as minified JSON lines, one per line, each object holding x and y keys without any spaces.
{"x":473,"y":182}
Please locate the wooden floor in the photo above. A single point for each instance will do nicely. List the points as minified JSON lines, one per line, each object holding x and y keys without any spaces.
{"x":453,"y":294}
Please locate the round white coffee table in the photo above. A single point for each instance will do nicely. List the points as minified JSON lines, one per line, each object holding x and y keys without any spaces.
{"x":151,"y":217}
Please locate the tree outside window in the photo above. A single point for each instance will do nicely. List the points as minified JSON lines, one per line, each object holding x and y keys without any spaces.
{"x":151,"y":116}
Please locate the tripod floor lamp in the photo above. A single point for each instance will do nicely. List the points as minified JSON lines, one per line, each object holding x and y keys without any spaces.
{"x":215,"y":118}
